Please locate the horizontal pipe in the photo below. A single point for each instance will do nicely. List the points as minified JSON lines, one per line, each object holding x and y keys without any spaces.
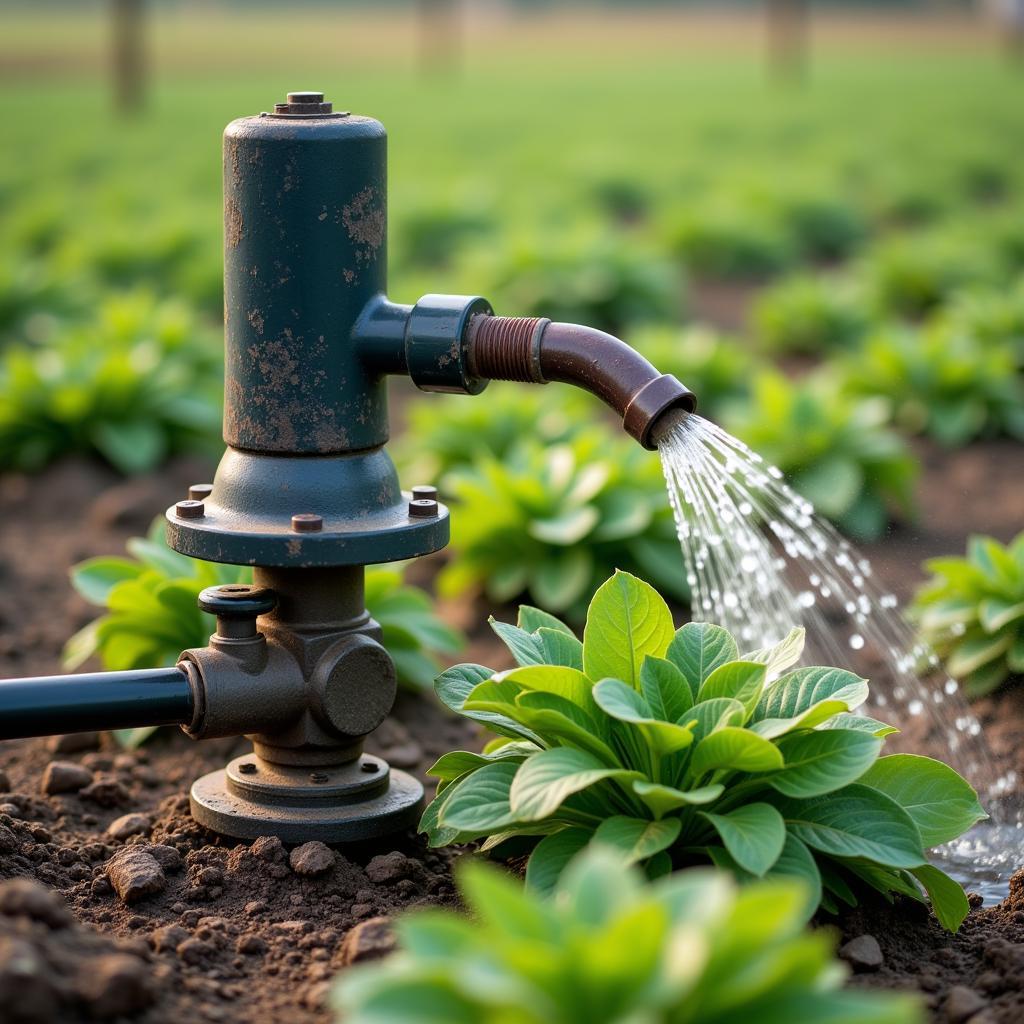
{"x":94,"y":702}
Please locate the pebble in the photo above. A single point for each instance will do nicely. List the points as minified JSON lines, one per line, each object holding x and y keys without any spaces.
{"x":269,"y":848}
{"x":129,"y":825}
{"x":25,"y":897}
{"x":254,"y":907}
{"x":369,"y":940}
{"x":74,"y":742}
{"x":166,"y":856}
{"x":195,"y":951}
{"x":863,"y":954}
{"x":403,"y":755}
{"x":107,"y":791}
{"x":962,"y":1003}
{"x":65,"y":777}
{"x":313,"y":858}
{"x":134,"y":873}
{"x":116,"y":985}
{"x":389,"y":867}
{"x":251,"y":945}
{"x":163,"y":940}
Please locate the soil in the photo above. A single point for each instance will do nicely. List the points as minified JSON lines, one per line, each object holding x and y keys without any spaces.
{"x":203,"y":928}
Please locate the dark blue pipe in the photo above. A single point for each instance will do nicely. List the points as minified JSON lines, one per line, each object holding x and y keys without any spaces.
{"x":94,"y":701}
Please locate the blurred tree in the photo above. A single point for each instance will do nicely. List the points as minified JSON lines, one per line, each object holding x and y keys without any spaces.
{"x":788,"y":25}
{"x":128,"y":56}
{"x":440,"y":36}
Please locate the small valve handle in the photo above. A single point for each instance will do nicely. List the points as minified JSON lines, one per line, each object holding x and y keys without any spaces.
{"x":236,"y":606}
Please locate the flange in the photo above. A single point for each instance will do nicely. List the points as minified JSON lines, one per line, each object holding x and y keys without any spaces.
{"x":251,"y":797}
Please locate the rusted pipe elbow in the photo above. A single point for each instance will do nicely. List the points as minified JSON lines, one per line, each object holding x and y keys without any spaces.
{"x":535,"y":350}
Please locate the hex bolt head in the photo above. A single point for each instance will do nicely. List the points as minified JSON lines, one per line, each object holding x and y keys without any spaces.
{"x":247,"y":768}
{"x":307,"y":522}
{"x":190,"y":509}
{"x":423,"y":508}
{"x":369,"y":767}
{"x":424,"y":492}
{"x":198,"y":492}
{"x":319,"y":777}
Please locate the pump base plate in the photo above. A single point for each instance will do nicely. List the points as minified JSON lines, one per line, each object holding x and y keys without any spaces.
{"x":335,"y":804}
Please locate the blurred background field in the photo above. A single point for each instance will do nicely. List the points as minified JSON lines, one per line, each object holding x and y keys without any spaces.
{"x":825,"y":242}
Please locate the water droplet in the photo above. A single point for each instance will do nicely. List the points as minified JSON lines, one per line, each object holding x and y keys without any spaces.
{"x":856,"y":641}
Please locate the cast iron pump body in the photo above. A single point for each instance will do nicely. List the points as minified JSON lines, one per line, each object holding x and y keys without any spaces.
{"x":306,"y":492}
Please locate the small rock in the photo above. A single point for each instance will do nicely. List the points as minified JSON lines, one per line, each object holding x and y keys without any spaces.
{"x":65,"y":777}
{"x":25,"y":897}
{"x":312,"y":858}
{"x":270,"y":849}
{"x":74,"y":743}
{"x":134,"y":874}
{"x":962,"y":1003}
{"x":163,"y":940}
{"x":166,"y":856}
{"x":251,"y":945}
{"x":129,"y":825}
{"x":389,"y":868}
{"x":5,"y":782}
{"x":863,"y":953}
{"x":107,"y":791}
{"x":195,"y":951}
{"x":369,"y":940}
{"x":115,"y":985}
{"x":254,"y":907}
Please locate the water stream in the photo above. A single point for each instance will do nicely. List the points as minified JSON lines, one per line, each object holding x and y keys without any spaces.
{"x":759,"y":560}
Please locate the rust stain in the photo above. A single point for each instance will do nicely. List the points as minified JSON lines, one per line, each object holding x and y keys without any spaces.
{"x":349,"y":275}
{"x":233,"y":227}
{"x":365,"y":221}
{"x":256,"y":320}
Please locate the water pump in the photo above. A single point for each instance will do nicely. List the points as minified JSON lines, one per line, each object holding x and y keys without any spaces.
{"x":306,"y":492}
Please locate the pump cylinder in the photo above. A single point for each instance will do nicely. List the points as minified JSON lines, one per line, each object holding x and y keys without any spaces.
{"x":305,"y":226}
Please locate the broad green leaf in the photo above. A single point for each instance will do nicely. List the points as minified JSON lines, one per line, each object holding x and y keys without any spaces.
{"x":780,"y":656}
{"x":796,"y":861}
{"x":860,"y":723}
{"x":546,"y":780}
{"x":740,"y":680}
{"x":567,"y":529}
{"x":734,"y":749}
{"x":972,"y":653}
{"x":698,"y":648}
{"x":624,"y":704}
{"x":636,"y":838}
{"x":480,"y":802}
{"x":661,"y":799}
{"x":499,"y":901}
{"x":799,"y":691}
{"x":550,"y":857}
{"x":456,"y":763}
{"x":948,"y":899}
{"x":942,"y":804}
{"x":715,"y":714}
{"x":95,"y":577}
{"x":626,"y":621}
{"x":824,"y":760}
{"x":857,"y":821}
{"x":753,"y":834}
{"x":560,"y":648}
{"x":525,"y":647}
{"x":562,"y":578}
{"x":560,"y":722}
{"x":493,"y":696}
{"x":534,"y":619}
{"x":569,"y":683}
{"x":665,"y":689}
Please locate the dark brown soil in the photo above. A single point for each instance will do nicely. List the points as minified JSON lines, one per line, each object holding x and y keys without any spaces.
{"x":232,"y":932}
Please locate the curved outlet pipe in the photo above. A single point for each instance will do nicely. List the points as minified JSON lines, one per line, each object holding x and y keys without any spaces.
{"x":536,"y":350}
{"x":94,"y":702}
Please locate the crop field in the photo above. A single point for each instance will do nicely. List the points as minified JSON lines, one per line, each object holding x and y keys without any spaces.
{"x":832,"y":259}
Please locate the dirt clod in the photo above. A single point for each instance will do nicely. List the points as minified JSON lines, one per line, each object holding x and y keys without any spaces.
{"x":135,"y":873}
{"x":129,"y":825}
{"x":74,"y":742}
{"x":115,"y":986}
{"x":962,"y":1004}
{"x":27,"y":898}
{"x":389,"y":868}
{"x":370,"y":940}
{"x":312,"y":859}
{"x":65,"y":777}
{"x":863,"y":953}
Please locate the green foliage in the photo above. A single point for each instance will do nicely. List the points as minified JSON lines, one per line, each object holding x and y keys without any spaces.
{"x":834,"y":449}
{"x":151,"y":616}
{"x":676,"y":750}
{"x":991,"y":316}
{"x":822,"y":226}
{"x":809,"y":314}
{"x":552,"y":521}
{"x":941,"y":381}
{"x":133,"y":386}
{"x":431,"y":234}
{"x":972,"y":613}
{"x":611,"y":948}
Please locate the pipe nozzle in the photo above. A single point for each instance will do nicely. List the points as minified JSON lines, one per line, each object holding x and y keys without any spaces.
{"x":536,"y":350}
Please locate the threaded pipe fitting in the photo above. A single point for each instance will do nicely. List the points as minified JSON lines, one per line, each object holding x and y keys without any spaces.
{"x":507,"y":347}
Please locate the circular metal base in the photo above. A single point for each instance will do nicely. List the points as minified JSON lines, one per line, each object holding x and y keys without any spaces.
{"x":341,"y":804}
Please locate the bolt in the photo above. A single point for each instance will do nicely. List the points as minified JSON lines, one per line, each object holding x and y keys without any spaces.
{"x":190,"y":509}
{"x":424,"y":492}
{"x":423,"y":508}
{"x":247,"y":768}
{"x":369,"y":767}
{"x":319,"y":777}
{"x":305,"y":97}
{"x":307,"y":522}
{"x":197,"y":492}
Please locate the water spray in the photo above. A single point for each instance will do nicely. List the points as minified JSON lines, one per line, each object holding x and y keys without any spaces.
{"x":306,"y":492}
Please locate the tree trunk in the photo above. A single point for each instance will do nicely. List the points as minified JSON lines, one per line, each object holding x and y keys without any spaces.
{"x":787,"y":38}
{"x":128,"y":56}
{"x":440,"y":36}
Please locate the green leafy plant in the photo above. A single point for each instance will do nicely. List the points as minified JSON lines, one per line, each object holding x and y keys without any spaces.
{"x":151,"y":615}
{"x":941,"y":381}
{"x":972,"y":613}
{"x":823,"y":226}
{"x":675,"y":749}
{"x":610,"y":949}
{"x":991,"y":316}
{"x":809,"y":314}
{"x":552,"y":521}
{"x":133,"y":387}
{"x":835,"y":449}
